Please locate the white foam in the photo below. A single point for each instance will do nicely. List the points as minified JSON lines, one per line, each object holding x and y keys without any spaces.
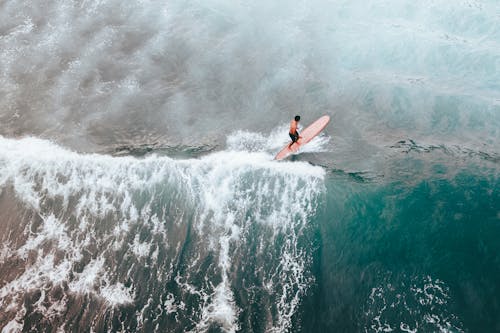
{"x":5,"y":252}
{"x":13,"y":326}
{"x":87,"y":280}
{"x":214,"y":185}
{"x":221,"y":176}
{"x":273,"y":142}
{"x":171,"y":306}
{"x":411,"y":307}
{"x":51,"y":229}
{"x":34,"y":277}
{"x":117,"y":294}
{"x":140,"y":249}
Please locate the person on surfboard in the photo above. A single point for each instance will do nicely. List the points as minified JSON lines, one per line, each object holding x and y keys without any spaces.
{"x":294,"y":134}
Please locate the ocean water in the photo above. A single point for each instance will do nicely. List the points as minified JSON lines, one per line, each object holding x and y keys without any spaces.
{"x":138,"y":190}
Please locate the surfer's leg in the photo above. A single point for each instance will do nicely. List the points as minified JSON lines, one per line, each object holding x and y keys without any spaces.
{"x":294,"y":138}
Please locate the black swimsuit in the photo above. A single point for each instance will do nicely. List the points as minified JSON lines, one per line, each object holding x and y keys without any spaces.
{"x":295,"y":136}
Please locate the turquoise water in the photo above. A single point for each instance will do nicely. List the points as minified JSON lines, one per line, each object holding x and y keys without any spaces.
{"x":234,"y":241}
{"x":382,"y":245}
{"x":138,"y":190}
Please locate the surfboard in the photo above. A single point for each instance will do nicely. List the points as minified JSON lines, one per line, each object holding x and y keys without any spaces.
{"x":306,"y":135}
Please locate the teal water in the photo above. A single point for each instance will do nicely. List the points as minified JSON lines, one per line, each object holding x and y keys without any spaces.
{"x":138,"y":191}
{"x":420,"y":256}
{"x":234,"y":241}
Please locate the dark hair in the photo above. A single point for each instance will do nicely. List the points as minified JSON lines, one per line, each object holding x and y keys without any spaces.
{"x":297,"y":118}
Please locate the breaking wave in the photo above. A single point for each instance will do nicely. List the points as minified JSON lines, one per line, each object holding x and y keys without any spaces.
{"x":154,"y":242}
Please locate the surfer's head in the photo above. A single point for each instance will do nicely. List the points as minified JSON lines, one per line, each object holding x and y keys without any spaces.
{"x":297,"y":118}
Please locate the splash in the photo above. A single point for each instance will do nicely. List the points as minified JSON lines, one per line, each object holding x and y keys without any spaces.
{"x":94,"y":222}
{"x":273,"y":142}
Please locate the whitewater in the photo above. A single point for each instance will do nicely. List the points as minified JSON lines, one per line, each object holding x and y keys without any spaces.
{"x":138,"y":190}
{"x":94,"y":223}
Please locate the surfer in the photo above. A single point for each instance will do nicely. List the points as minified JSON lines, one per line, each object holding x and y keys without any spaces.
{"x":294,"y":134}
{"x":308,"y":134}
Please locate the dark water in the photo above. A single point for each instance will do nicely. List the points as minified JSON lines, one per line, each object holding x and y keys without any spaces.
{"x":420,"y":258}
{"x":234,"y":241}
{"x":138,"y":190}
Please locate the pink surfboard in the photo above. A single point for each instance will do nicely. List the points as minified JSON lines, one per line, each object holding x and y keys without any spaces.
{"x":306,"y":135}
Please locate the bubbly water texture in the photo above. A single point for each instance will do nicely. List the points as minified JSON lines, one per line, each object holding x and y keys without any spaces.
{"x":95,"y":223}
{"x":98,"y":74}
{"x":393,"y":227}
